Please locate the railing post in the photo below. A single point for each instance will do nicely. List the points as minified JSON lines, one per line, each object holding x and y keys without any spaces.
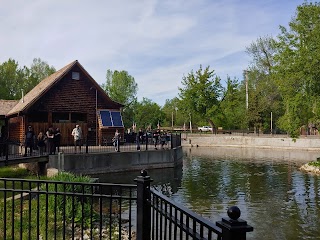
{"x":147,"y":140}
{"x":234,"y":228}
{"x":143,"y":206}
{"x":87,"y":145}
{"x":6,"y":150}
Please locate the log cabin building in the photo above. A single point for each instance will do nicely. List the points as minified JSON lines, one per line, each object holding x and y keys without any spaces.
{"x":68,"y":97}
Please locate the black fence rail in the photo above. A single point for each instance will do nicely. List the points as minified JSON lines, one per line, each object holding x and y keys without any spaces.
{"x":161,"y":218}
{"x":170,"y":221}
{"x":38,"y":209}
{"x":35,"y":209}
{"x":16,"y":149}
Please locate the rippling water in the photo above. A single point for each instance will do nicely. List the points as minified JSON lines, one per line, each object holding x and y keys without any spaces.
{"x":277,"y":199}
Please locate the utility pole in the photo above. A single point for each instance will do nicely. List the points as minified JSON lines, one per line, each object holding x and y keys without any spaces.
{"x":247,"y":90}
{"x":172,"y":120}
{"x":190,"y":123}
{"x":271,"y":124}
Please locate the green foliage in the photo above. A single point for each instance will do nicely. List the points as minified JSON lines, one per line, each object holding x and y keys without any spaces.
{"x":315,"y":164}
{"x":121,"y":87}
{"x":60,"y":208}
{"x":10,"y":172}
{"x":201,"y":92}
{"x":232,"y":106}
{"x":148,"y":114}
{"x":74,"y":208}
{"x":14,"y":79}
{"x":297,"y":70}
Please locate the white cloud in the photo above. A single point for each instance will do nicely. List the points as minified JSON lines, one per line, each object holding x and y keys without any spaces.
{"x":156,"y":41}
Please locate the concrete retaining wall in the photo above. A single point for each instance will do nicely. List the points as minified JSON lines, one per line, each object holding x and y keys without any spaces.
{"x":116,"y":162}
{"x":302,"y":143}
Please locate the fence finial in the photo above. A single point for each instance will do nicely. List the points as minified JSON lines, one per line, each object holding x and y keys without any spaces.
{"x":234,"y":212}
{"x":234,"y":228}
{"x":144,"y":173}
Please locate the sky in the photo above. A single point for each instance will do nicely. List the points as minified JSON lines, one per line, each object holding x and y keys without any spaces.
{"x":157,"y":42}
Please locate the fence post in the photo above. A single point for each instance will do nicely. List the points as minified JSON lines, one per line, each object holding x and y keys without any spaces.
{"x":143,"y":206}
{"x":87,"y":145}
{"x":234,"y":228}
{"x":6,"y":150}
{"x":171,"y":142}
{"x":147,"y":140}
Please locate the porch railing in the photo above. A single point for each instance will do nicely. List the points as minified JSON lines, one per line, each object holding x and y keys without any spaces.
{"x":37,"y":209}
{"x":15,"y":149}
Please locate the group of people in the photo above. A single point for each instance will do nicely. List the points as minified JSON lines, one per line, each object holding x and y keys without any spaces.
{"x":48,"y":141}
{"x":159,"y":137}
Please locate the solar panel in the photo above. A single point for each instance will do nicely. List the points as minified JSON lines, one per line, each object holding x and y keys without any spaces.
{"x":106,"y":118}
{"x":117,"y":119}
{"x":111,"y":118}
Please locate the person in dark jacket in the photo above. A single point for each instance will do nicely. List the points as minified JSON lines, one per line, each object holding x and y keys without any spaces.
{"x":57,"y":140}
{"x":50,"y":140}
{"x":156,"y":136}
{"x":139,"y":138}
{"x":41,"y":142}
{"x":29,"y":140}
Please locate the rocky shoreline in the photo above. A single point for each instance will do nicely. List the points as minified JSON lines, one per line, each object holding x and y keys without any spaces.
{"x":309,"y":168}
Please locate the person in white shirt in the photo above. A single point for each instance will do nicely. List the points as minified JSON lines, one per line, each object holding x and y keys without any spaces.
{"x":77,"y":136}
{"x":116,"y":140}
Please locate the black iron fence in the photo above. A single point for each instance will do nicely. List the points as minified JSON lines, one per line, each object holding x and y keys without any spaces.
{"x":36,"y":209}
{"x":16,"y":149}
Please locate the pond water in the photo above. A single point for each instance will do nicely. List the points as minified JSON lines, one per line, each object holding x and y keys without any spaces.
{"x":277,"y":199}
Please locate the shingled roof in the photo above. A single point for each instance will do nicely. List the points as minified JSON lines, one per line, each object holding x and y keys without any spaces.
{"x":6,"y":106}
{"x":39,"y":90}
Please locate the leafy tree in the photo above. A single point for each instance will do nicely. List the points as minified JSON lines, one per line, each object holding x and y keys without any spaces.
{"x":38,"y":71}
{"x":232,"y":106}
{"x":173,"y":110}
{"x":11,"y":79}
{"x":201,"y":93}
{"x":122,"y":88}
{"x":264,"y":96}
{"x":148,"y":114}
{"x":297,"y":68}
{"x":15,"y":80}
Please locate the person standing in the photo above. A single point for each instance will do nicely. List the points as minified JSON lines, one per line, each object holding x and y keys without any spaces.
{"x":77,"y":136}
{"x":156,"y":136}
{"x":2,"y":144}
{"x":116,"y":140}
{"x":41,"y":142}
{"x":139,"y":137}
{"x":50,"y":140}
{"x":57,"y":140}
{"x":29,"y":140}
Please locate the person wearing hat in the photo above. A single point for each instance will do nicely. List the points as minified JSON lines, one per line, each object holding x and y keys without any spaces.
{"x":77,"y":136}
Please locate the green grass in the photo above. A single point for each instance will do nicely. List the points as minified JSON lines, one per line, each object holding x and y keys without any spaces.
{"x":12,"y":172}
{"x":16,"y":172}
{"x":55,"y":212}
{"x":315,"y":164}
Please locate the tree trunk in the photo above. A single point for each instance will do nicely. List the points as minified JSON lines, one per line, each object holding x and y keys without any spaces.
{"x":214,"y":130}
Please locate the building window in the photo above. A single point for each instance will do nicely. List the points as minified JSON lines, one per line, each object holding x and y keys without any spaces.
{"x":38,"y":117}
{"x":75,"y":75}
{"x":60,"y":117}
{"x":78,"y":117}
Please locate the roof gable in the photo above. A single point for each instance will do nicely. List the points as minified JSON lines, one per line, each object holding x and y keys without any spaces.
{"x":46,"y":84}
{"x":6,"y":106}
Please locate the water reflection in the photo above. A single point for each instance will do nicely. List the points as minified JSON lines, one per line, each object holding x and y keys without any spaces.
{"x":167,"y":180}
{"x":278,"y":200}
{"x":274,"y":196}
